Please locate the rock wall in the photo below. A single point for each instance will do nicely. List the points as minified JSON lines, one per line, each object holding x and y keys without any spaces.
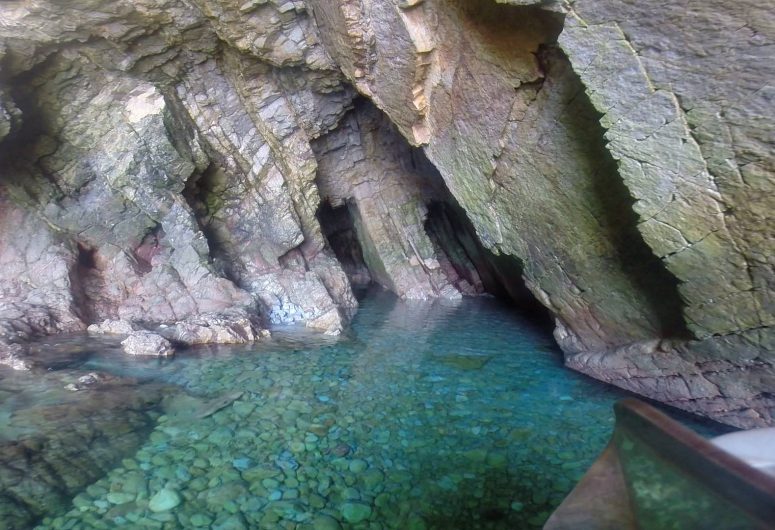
{"x":569,"y":153}
{"x":686,"y":121}
{"x":172,"y":158}
{"x":165,"y":159}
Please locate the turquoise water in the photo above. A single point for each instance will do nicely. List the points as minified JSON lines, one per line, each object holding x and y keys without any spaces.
{"x":425,"y":415}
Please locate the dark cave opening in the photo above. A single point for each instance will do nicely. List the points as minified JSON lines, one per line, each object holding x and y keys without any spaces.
{"x":203,"y":194}
{"x":462,"y":259}
{"x":87,"y":258}
{"x":149,"y":247}
{"x":499,"y":275}
{"x":87,"y":282}
{"x":455,"y":238}
{"x":339,"y":229}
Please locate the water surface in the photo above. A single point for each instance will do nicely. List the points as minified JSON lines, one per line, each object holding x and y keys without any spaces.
{"x":426,"y":415}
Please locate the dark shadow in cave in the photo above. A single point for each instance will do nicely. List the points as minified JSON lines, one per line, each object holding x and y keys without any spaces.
{"x":86,"y":282}
{"x":149,"y":247}
{"x":657,"y":285}
{"x":203,"y":195}
{"x":454,"y":237}
{"x":500,"y":275}
{"x":339,"y":229}
{"x":466,"y":263}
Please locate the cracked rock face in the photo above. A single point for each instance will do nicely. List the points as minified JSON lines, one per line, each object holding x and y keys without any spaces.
{"x":202,"y":169}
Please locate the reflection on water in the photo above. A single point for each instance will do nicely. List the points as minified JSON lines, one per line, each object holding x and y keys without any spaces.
{"x":424,"y":416}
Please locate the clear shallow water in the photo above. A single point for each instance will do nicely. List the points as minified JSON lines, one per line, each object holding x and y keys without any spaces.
{"x":424,"y":416}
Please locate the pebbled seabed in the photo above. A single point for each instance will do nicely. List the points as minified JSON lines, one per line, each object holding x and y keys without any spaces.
{"x":427,"y":415}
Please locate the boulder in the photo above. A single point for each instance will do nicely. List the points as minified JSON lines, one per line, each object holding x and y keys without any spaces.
{"x":147,"y":343}
{"x":228,"y":327}
{"x":111,"y":327}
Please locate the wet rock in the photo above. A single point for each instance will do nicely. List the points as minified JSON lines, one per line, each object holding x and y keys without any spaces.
{"x":341,"y":450}
{"x":147,"y":343}
{"x":113,"y":327}
{"x":91,"y":379}
{"x":358,"y":466}
{"x":184,"y":407}
{"x":235,"y":326}
{"x":372,"y":479}
{"x":166,"y":499}
{"x":87,"y":431}
{"x":325,"y":522}
{"x":119,"y":497}
{"x":355,"y":512}
{"x":464,"y":362}
{"x":200,"y":519}
{"x":13,"y":356}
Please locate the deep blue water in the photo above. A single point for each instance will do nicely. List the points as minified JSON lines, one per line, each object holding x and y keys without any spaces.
{"x":424,"y":415}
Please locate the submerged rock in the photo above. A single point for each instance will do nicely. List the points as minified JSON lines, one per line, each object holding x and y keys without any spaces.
{"x":147,"y":343}
{"x":355,"y":512}
{"x":165,"y":499}
{"x":49,"y":452}
{"x":183,"y":406}
{"x":464,"y":362}
{"x":89,"y":380}
{"x":13,"y":356}
{"x":325,"y":522}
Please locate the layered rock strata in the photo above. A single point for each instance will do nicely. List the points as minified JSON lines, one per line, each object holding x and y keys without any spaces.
{"x":167,"y":161}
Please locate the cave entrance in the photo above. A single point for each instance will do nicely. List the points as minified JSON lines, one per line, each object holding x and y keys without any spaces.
{"x":338,"y":227}
{"x":87,"y":282}
{"x":500,"y":275}
{"x":468,"y":264}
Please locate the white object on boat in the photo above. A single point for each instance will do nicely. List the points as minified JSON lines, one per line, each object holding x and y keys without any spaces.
{"x":756,"y":447}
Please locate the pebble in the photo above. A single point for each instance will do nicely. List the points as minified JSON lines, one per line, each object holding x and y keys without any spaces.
{"x":275,"y":495}
{"x":116,"y":497}
{"x":325,"y":522}
{"x":200,"y":519}
{"x":341,"y":450}
{"x":270,"y":483}
{"x":355,"y":512}
{"x":372,"y":478}
{"x":357,"y":466}
{"x":165,"y":499}
{"x":297,"y":447}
